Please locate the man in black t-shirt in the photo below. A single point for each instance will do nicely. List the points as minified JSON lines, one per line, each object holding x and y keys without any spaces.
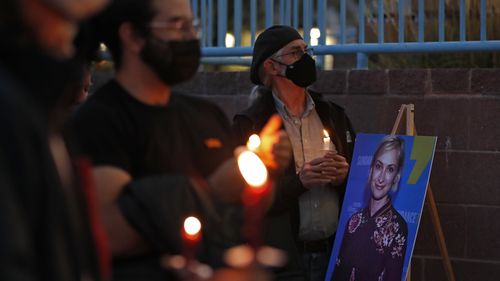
{"x":159,"y":156}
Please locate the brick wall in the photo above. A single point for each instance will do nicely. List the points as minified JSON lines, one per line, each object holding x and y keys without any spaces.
{"x":462,"y":108}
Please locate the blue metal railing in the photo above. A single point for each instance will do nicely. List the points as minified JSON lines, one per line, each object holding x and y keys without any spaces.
{"x":252,"y":16}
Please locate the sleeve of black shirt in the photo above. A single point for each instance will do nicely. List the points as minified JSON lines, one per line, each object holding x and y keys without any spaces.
{"x":101,"y":134}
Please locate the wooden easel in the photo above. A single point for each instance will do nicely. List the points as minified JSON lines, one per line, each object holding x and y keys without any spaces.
{"x":409,"y":109}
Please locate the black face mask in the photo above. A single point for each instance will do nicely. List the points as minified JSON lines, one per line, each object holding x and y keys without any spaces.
{"x":302,"y":72}
{"x":173,"y":61}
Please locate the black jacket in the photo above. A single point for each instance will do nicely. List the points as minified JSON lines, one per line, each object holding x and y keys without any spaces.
{"x":282,"y":222}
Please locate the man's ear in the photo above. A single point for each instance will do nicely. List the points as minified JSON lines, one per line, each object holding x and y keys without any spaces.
{"x":131,"y":41}
{"x":271,"y":68}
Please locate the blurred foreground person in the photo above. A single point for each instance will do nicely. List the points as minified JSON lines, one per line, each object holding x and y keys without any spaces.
{"x":45,"y":231}
{"x":159,"y":156}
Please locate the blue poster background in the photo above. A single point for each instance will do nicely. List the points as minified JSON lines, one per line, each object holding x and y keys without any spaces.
{"x":408,"y":202}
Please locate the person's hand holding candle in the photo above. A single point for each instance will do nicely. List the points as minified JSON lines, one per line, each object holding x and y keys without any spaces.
{"x":331,"y":168}
{"x":275,"y":149}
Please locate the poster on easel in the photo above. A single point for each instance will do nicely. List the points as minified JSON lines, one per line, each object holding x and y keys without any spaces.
{"x":382,"y":207}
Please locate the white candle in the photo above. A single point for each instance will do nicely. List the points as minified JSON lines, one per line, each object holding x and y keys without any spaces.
{"x":326,"y":140}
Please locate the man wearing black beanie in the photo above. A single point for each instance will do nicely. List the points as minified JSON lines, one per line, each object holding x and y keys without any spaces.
{"x":304,"y":217}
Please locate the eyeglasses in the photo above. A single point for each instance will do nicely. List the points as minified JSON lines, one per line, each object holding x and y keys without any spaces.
{"x":178,"y":24}
{"x":297,"y":54}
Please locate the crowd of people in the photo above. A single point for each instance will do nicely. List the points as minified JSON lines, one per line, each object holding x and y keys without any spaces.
{"x":98,"y":188}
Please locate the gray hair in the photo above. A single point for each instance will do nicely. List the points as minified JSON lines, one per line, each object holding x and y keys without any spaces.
{"x":254,"y":94}
{"x":266,"y":81}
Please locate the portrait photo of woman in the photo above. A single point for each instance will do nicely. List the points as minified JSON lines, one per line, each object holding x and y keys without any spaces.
{"x":375,"y":238}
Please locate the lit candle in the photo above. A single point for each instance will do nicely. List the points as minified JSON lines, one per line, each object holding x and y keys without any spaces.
{"x":191,"y":236}
{"x":255,"y":174}
{"x":326,"y":140}
{"x":192,"y":228}
{"x":253,"y":142}
{"x":252,"y":169}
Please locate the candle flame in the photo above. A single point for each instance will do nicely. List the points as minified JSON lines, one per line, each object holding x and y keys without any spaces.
{"x":192,"y":226}
{"x":252,"y":169}
{"x":253,"y":142}
{"x":325,"y":133}
{"x":326,"y":140}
